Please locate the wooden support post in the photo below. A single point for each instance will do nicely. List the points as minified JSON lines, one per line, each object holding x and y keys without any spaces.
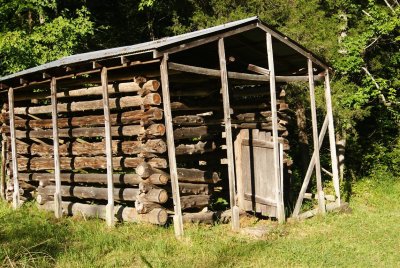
{"x":3,"y":169}
{"x":228,"y":131}
{"x":332,"y":142}
{"x":57,"y":175}
{"x":310,"y":169}
{"x":279,"y":192}
{"x":281,"y":170}
{"x":108,"y":138}
{"x":321,"y":198}
{"x":16,"y":199}
{"x":178,"y":221}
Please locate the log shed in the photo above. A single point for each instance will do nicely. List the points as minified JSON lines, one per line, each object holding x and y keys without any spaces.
{"x":163,"y":129}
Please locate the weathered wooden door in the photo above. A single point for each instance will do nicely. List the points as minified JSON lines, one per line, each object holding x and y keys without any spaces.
{"x":256,"y":184}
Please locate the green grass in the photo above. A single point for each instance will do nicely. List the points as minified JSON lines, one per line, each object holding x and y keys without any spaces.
{"x":370,"y":236}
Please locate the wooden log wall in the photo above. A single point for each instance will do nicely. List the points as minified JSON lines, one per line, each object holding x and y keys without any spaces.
{"x":141,"y":179}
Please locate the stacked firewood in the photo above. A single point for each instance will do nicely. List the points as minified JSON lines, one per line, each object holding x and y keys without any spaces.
{"x":142,"y":190}
{"x":138,"y":137}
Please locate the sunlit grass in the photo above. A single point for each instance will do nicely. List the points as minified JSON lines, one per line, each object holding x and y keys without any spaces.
{"x":370,"y":236}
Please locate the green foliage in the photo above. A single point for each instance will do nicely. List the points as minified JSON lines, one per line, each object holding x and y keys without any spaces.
{"x":360,"y":39}
{"x":37,"y":41}
{"x":145,"y":4}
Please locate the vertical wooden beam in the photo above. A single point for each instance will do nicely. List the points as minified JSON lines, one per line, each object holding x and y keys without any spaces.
{"x":57,"y":175}
{"x":3,"y":169}
{"x":281,"y":166}
{"x":108,"y":138}
{"x":228,"y":138}
{"x":310,"y":169}
{"x":178,"y":222}
{"x":279,"y":192}
{"x":332,"y":142}
{"x":16,"y":199}
{"x":321,"y":195}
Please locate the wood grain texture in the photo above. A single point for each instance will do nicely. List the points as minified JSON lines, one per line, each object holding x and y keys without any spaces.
{"x":120,"y":103}
{"x":56,"y":154}
{"x":228,"y":131}
{"x":94,"y":148}
{"x":16,"y":195}
{"x":321,"y":199}
{"x":120,"y":118}
{"x":122,"y":213}
{"x":68,"y":163}
{"x":178,"y":222}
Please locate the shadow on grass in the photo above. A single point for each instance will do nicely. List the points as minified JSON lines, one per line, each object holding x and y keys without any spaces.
{"x":29,"y":237}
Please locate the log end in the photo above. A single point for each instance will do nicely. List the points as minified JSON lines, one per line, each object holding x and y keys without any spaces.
{"x":42,"y":199}
{"x":161,"y":216}
{"x":163,"y":179}
{"x":152,"y":99}
{"x":158,"y":114}
{"x":160,"y":129}
{"x":158,"y":179}
{"x":163,"y":196}
{"x":155,"y":85}
{"x":156,"y":129}
{"x":143,"y":170}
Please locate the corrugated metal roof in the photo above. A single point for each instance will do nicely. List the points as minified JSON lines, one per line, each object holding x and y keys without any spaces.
{"x":129,"y":50}
{"x":152,"y":46}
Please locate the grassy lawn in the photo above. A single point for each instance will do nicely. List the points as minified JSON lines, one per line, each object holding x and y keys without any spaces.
{"x":370,"y":236}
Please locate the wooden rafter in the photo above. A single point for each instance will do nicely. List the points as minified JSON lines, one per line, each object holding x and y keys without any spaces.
{"x":239,"y":76}
{"x":202,"y":41}
{"x":286,"y":41}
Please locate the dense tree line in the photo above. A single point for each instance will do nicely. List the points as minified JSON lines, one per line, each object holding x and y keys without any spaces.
{"x":359,"y":38}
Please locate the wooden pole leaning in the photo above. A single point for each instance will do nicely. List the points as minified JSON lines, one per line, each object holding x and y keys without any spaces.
{"x":108,"y":143}
{"x":310,"y":169}
{"x":178,"y":221}
{"x":16,"y":198}
{"x":279,"y":187}
{"x":228,"y":131}
{"x":281,"y":167}
{"x":3,"y":169}
{"x":57,"y":175}
{"x":321,"y":195}
{"x":332,"y":141}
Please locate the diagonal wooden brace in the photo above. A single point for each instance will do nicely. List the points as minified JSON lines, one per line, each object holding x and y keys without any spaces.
{"x":310,"y":169}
